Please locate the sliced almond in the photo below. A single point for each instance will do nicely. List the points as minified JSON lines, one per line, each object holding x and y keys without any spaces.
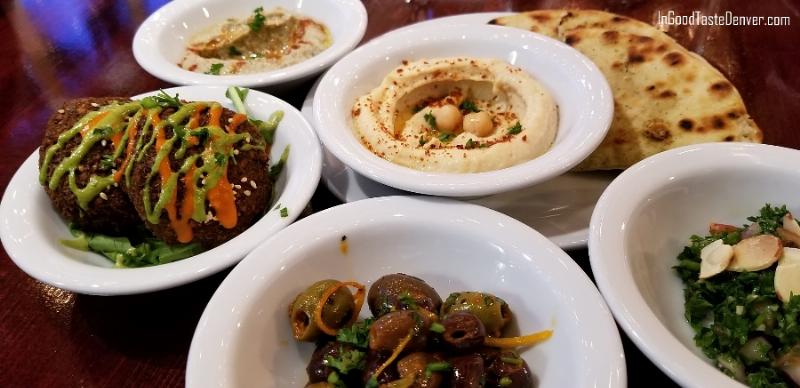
{"x":714,"y":258}
{"x":787,"y":274}
{"x":756,"y":253}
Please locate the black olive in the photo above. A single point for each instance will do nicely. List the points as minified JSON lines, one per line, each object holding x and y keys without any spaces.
{"x":507,"y":369}
{"x":463,"y":330}
{"x":467,"y":371}
{"x":388,"y":331}
{"x":402,"y":292}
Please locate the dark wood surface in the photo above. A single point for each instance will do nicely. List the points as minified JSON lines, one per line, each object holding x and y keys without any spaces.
{"x":56,"y":50}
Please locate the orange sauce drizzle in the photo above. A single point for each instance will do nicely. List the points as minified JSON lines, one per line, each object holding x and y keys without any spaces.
{"x":220,"y":197}
{"x":164,"y":171}
{"x":92,"y":123}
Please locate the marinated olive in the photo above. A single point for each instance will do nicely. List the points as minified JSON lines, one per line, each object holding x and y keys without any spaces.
{"x":374,"y":361}
{"x":336,"y":312}
{"x":402,"y":292}
{"x":388,"y":331}
{"x":463,"y":330}
{"x":467,"y":371}
{"x":491,"y":310}
{"x":416,"y":364}
{"x":317,"y":369}
{"x":506,"y":369}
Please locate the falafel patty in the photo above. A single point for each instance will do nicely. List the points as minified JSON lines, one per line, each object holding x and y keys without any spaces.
{"x":71,"y":163}
{"x":202,"y":175}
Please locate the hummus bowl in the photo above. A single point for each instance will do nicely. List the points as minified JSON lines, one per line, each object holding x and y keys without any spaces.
{"x":561,"y":76}
{"x":161,"y":41}
{"x":643,"y":221}
{"x":244,"y":338}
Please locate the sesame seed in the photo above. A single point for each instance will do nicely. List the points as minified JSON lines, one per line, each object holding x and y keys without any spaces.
{"x":103,"y":143}
{"x":253,"y":183}
{"x":94,"y":104}
{"x":60,"y":111}
{"x":247,"y":193}
{"x":203,"y":181}
{"x":103,"y":196}
{"x":244,"y":179}
{"x":247,"y":139}
{"x":236,"y":152}
{"x":230,"y":120}
{"x":237,"y":186}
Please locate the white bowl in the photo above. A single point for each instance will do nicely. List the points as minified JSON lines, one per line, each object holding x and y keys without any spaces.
{"x":244,"y":338}
{"x":160,"y":42}
{"x":645,"y":218}
{"x":30,"y":229}
{"x":579,"y":88}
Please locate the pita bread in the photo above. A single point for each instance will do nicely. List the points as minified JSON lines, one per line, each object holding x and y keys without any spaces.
{"x":664,"y":95}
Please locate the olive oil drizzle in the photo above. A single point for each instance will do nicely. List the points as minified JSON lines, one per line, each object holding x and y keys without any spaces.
{"x":200,"y":173}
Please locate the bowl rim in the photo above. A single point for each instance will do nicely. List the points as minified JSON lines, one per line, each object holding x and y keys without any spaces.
{"x":146,"y":50}
{"x":610,"y":262}
{"x":592,"y":125}
{"x":211,"y":328}
{"x":83,"y":278}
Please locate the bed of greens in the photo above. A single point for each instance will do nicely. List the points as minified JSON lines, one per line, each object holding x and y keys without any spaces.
{"x":741,"y":297}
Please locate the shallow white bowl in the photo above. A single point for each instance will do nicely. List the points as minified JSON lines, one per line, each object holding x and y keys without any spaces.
{"x":31,"y":230}
{"x":645,"y":218}
{"x":244,"y":337}
{"x":580,"y":90}
{"x":160,"y":42}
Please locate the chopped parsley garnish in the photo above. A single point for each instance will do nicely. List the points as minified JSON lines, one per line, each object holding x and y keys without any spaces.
{"x":437,"y":327}
{"x":436,"y":367}
{"x":471,"y":144}
{"x":102,"y":131}
{"x":505,"y":381}
{"x":430,"y":119}
{"x":769,"y":218}
{"x":446,"y":137}
{"x":468,"y":106}
{"x":512,"y":360}
{"x":201,"y":134}
{"x":107,"y":162}
{"x":220,"y":158}
{"x":346,"y":361}
{"x":179,"y":131}
{"x":422,"y":140}
{"x":215,"y":68}
{"x":517,"y":128}
{"x":284,"y":212}
{"x":233,"y":51}
{"x":408,"y":300}
{"x":357,"y":334}
{"x":335,"y":381}
{"x":372,"y":382}
{"x":258,"y":19}
{"x":162,"y":99}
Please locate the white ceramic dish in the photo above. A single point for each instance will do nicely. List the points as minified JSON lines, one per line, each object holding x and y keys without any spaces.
{"x":559,"y":208}
{"x":160,"y":42}
{"x":581,"y":91}
{"x":244,"y":338}
{"x":30,"y":229}
{"x":645,"y":218}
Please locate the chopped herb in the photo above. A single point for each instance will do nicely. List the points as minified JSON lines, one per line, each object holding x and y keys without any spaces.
{"x":179,"y":131}
{"x":468,"y":106}
{"x":372,"y":382}
{"x":512,"y":360}
{"x":430,"y":119}
{"x":107,"y":162}
{"x":437,"y":327}
{"x":258,"y":19}
{"x":436,"y":367}
{"x":233,"y":51}
{"x":517,"y":128}
{"x":268,"y":128}
{"x":446,"y":137}
{"x":471,"y":144}
{"x":505,"y":381}
{"x":276,"y":168}
{"x":284,"y":212}
{"x":215,"y":68}
{"x":346,"y":361}
{"x":201,"y":134}
{"x":220,"y":158}
{"x":408,"y":300}
{"x":357,"y":334}
{"x":769,"y":218}
{"x":162,"y":99}
{"x":102,"y":131}
{"x":422,"y":140}
{"x":335,"y":381}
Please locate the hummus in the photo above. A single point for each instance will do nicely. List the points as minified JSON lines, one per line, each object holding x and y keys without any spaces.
{"x":262,"y":42}
{"x":456,"y":115}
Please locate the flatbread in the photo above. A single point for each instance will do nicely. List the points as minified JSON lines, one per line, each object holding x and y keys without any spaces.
{"x":664,"y":95}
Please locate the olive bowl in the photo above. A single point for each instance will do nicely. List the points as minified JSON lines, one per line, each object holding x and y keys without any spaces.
{"x":244,"y":337}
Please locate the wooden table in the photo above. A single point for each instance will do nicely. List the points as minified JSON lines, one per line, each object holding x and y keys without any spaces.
{"x":56,"y":50}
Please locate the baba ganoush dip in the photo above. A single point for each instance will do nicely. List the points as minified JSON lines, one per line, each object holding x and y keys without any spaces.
{"x":457,"y":115}
{"x":264,"y":41}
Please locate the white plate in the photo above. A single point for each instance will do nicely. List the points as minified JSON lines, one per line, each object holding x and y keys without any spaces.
{"x":579,"y":88}
{"x":559,"y":208}
{"x":645,"y":218}
{"x":30,"y":229}
{"x":160,"y":42}
{"x":244,"y":338}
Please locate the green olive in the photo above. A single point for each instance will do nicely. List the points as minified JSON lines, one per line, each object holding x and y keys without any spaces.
{"x":336,"y":313}
{"x":491,"y":310}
